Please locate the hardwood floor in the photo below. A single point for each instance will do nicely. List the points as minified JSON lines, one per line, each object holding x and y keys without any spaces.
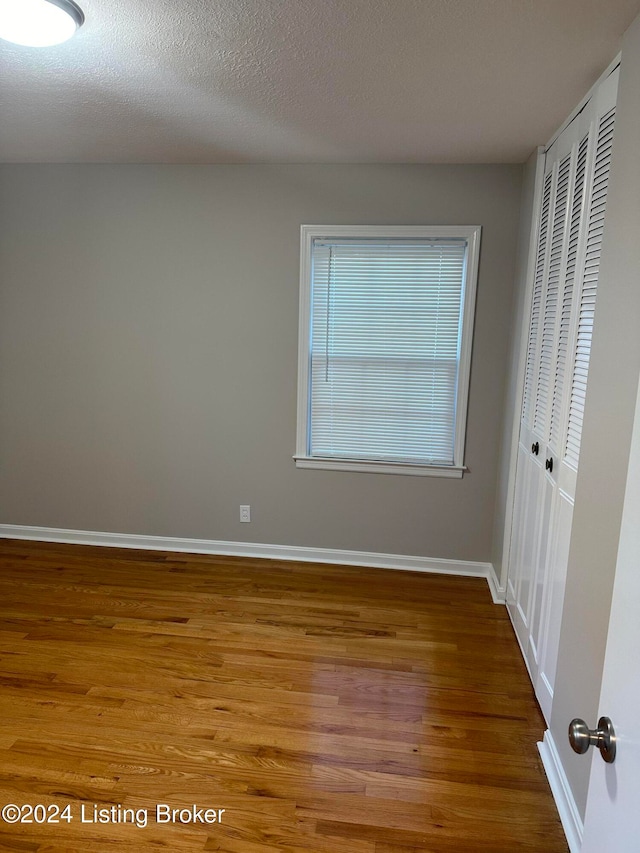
{"x":325,"y":709}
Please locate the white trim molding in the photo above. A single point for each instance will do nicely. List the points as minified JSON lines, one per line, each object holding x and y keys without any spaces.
{"x":330,"y":464}
{"x":372,"y":559}
{"x":523,"y":336}
{"x":306,"y":456}
{"x":561,"y":790}
{"x":578,"y":109}
{"x":498,"y":593}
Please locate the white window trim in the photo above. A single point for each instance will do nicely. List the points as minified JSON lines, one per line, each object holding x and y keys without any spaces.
{"x":308,"y":233}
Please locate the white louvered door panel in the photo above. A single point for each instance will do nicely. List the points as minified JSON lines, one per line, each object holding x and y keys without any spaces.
{"x":572,"y":361}
{"x":523,"y":546}
{"x":536,"y":305}
{"x":562,"y":175}
{"x":530,"y":484}
{"x":566,"y":307}
{"x":595,"y":228}
{"x":565,"y":275}
{"x":565,"y":168}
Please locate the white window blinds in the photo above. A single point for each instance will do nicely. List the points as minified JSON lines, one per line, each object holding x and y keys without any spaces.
{"x":385,"y":349}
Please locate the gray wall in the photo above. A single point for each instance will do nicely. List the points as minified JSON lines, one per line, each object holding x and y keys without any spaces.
{"x":148,"y":335}
{"x":606,"y":438}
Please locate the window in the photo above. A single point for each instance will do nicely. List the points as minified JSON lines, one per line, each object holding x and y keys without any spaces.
{"x":386,"y":323}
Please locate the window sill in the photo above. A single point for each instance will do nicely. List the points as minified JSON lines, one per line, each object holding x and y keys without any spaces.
{"x":328,"y":464}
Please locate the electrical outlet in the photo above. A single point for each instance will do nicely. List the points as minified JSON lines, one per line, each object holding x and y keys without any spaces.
{"x":245,"y":513}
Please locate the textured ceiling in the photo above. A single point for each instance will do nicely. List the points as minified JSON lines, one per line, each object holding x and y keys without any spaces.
{"x":292,"y":81}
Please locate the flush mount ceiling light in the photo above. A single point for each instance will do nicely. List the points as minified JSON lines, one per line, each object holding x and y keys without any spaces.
{"x":39,"y":23}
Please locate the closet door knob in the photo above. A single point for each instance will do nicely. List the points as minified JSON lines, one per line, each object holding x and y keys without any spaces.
{"x":535,"y":448}
{"x":549,"y":464}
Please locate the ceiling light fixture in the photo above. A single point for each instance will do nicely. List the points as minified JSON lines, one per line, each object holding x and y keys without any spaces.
{"x":39,"y":23}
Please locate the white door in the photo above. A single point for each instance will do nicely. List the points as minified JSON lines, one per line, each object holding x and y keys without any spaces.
{"x":612,"y":821}
{"x":567,"y":387}
{"x":565,"y":276}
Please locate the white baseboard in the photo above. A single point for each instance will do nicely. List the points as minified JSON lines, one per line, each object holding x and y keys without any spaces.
{"x":566,"y":805}
{"x":250,"y":549}
{"x":498,"y":593}
{"x":544,"y":695}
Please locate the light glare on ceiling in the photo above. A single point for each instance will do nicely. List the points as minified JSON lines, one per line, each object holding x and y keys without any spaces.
{"x":39,"y":23}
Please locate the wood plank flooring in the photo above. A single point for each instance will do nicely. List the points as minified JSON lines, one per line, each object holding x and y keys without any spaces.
{"x":325,"y":709}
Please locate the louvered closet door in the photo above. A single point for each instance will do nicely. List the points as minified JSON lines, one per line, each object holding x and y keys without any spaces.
{"x":528,"y":481}
{"x":563,"y":182}
{"x":565,"y":278}
{"x":575,"y":326}
{"x":534,"y":486}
